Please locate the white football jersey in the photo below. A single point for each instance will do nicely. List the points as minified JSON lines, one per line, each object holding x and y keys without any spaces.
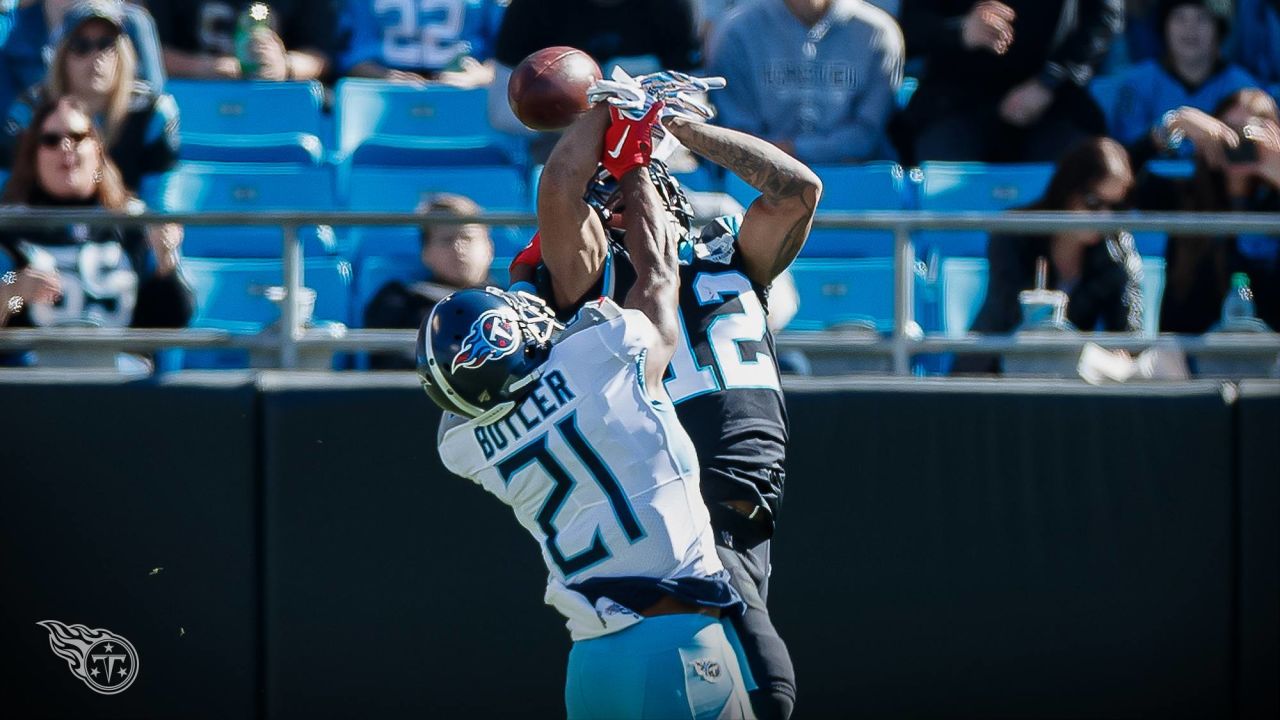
{"x":604,"y":477}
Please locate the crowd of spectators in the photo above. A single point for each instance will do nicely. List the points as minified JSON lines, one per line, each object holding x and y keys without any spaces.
{"x":998,"y":81}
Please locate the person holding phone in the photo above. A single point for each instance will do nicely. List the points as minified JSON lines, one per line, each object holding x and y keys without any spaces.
{"x":1237,"y":169}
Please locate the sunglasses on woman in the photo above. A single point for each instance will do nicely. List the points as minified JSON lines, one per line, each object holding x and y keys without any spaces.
{"x":83,"y":46}
{"x":54,"y":141}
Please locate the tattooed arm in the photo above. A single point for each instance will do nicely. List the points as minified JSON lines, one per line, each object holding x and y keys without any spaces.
{"x":777,"y":223}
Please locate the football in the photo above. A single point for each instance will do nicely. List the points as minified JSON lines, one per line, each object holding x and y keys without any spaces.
{"x":548,"y":89}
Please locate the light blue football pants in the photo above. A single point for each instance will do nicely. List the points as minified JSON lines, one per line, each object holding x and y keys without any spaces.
{"x":669,"y":666}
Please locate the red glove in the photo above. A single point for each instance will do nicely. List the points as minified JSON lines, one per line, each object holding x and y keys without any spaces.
{"x":628,"y":143}
{"x":526,"y":261}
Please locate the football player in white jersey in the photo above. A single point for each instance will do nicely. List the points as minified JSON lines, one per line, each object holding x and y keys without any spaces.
{"x":573,"y":429}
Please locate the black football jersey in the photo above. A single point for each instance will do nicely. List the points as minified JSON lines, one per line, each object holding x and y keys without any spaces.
{"x":723,"y":377}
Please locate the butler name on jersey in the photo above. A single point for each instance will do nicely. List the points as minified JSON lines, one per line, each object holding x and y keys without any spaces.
{"x":603,"y":476}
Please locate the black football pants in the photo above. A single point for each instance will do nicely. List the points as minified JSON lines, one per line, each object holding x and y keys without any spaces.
{"x":766,"y":653}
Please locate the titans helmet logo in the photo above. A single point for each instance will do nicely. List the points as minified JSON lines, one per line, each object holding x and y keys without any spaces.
{"x":102,"y":660}
{"x":493,"y":336}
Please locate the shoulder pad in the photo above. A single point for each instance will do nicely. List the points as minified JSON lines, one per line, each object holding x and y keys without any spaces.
{"x":716,"y":242}
{"x":449,"y":421}
{"x":592,"y":314}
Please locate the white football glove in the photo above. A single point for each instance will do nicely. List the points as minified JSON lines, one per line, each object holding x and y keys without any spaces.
{"x":683,"y":94}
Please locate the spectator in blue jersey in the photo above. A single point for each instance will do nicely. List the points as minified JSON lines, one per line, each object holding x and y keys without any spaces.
{"x":95,"y":62}
{"x":199,"y":39}
{"x":817,"y":78}
{"x":25,"y":56}
{"x":1237,"y":169}
{"x":110,"y":276}
{"x":1192,"y":74}
{"x":1004,"y":81}
{"x":1100,"y":273}
{"x":1258,"y":40}
{"x":449,"y":42}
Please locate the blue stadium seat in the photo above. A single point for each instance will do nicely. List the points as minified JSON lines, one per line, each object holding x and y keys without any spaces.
{"x":494,"y":188}
{"x":1150,"y":244}
{"x":403,"y":189}
{"x":247,"y":187}
{"x":383,"y":123}
{"x":906,"y":90}
{"x":232,"y":289}
{"x":242,"y":186}
{"x":299,"y":148}
{"x":250,"y":121}
{"x":1152,"y":294}
{"x":975,"y":187}
{"x":1174,"y":169}
{"x":230,"y":295}
{"x":835,"y":291}
{"x":216,"y":241}
{"x":962,"y":286}
{"x":846,"y":188}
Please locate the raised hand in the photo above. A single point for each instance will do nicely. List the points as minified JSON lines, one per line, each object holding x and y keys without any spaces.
{"x":988,"y":26}
{"x":1210,"y":135}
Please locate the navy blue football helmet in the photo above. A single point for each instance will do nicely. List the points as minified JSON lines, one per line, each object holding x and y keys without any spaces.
{"x":479,"y":350}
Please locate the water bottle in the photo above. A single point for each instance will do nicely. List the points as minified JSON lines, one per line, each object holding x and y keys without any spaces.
{"x":254,"y":18}
{"x":1238,"y":307}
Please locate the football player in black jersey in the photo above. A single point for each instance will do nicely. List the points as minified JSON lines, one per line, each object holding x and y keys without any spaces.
{"x":724,"y":377}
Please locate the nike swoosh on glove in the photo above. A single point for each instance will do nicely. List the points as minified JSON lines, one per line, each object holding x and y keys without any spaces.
{"x":628,"y":143}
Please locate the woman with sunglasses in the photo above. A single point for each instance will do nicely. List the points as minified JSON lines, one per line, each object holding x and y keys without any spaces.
{"x":1237,"y":169}
{"x":95,"y":62}
{"x":1100,"y":273}
{"x":112,"y":276}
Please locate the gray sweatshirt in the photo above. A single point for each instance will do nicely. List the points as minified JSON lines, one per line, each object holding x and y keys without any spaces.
{"x":829,"y":88}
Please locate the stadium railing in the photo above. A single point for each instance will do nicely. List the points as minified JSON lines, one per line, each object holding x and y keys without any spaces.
{"x":905,"y":341}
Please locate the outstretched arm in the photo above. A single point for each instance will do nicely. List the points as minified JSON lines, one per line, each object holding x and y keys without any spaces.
{"x":777,"y":223}
{"x":574,"y":241}
{"x":651,"y":244}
